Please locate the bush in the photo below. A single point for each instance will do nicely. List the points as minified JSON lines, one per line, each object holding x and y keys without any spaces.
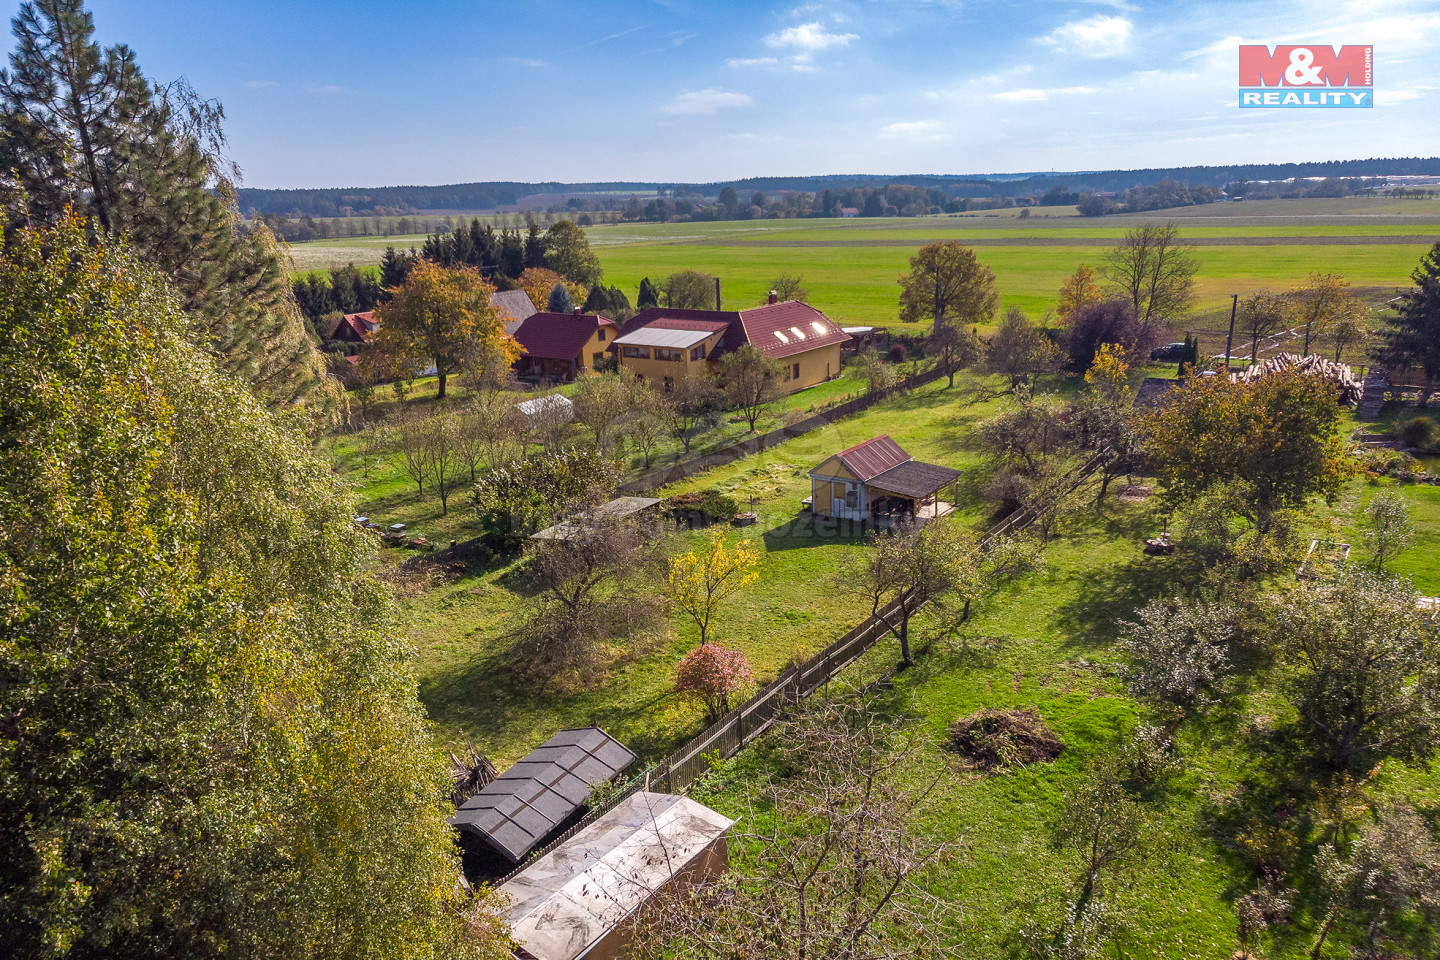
{"x":897,"y":353}
{"x":712,"y":675}
{"x":1112,"y":321}
{"x":701,"y":508}
{"x":516,"y":500}
{"x":994,"y":739}
{"x":1418,"y":432}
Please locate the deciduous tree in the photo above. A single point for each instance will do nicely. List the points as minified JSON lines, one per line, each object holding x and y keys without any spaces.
{"x":908,"y":566}
{"x":712,"y":674}
{"x":1320,"y":303}
{"x":1080,"y":289}
{"x":789,"y":286}
{"x":691,"y":402}
{"x":1153,"y":269}
{"x":947,"y":283}
{"x":442,"y":315}
{"x":1386,"y":526}
{"x":1279,"y":434}
{"x":568,"y":253}
{"x":1263,"y":314}
{"x":699,"y":581}
{"x":689,"y":290}
{"x":956,"y":347}
{"x":1020,"y":351}
{"x":602,"y":401}
{"x":752,"y":381}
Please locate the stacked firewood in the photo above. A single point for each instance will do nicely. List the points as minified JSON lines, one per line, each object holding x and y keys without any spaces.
{"x":1339,"y":373}
{"x":470,"y":775}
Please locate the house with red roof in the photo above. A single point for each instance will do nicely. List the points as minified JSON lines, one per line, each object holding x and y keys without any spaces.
{"x":878,"y":482}
{"x":355,"y":328}
{"x":561,"y":346}
{"x":664,"y":344}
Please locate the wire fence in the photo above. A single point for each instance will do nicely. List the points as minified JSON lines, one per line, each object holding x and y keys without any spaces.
{"x":729,"y":734}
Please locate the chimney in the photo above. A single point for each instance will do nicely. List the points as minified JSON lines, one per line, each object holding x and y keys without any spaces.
{"x":717,"y":294}
{"x":774,"y":296}
{"x":579,"y":311}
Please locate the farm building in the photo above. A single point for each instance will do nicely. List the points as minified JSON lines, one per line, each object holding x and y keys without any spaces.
{"x":537,"y":796}
{"x":514,"y":307}
{"x":664,"y":344}
{"x":561,"y":346}
{"x":355,"y":328}
{"x":877,"y":481}
{"x":575,"y":901}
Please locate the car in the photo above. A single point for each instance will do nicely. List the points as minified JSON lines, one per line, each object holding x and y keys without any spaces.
{"x":1170,"y":352}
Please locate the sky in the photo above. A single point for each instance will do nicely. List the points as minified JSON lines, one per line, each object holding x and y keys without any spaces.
{"x":384,"y":92}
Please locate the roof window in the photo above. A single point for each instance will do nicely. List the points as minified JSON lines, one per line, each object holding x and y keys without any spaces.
{"x":799,"y":334}
{"x":781,"y":337}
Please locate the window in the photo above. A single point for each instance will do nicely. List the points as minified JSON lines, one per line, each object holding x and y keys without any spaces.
{"x":672,"y":356}
{"x":602,"y":334}
{"x":818,"y":327}
{"x":796,"y":374}
{"x":639,"y":353}
{"x":697,"y":352}
{"x":798,"y":333}
{"x":781,"y":337}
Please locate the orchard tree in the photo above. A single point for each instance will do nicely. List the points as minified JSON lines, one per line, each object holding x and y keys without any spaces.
{"x":752,"y":381}
{"x":1153,"y":269}
{"x":1179,"y":653}
{"x":1108,"y":322}
{"x":946,"y":284}
{"x":440,"y":314}
{"x":699,"y":581}
{"x":691,"y":403}
{"x":1412,"y":337}
{"x":788,"y":286}
{"x":1105,"y":416}
{"x":210,"y":726}
{"x":956,"y":347}
{"x":1321,"y":302}
{"x":1385,"y":524}
{"x":712,"y":675}
{"x":1280,"y":435}
{"x":602,"y":401}
{"x":908,"y":566}
{"x":1262,"y":315}
{"x":1363,"y":669}
{"x":1020,"y":351}
{"x":539,"y":282}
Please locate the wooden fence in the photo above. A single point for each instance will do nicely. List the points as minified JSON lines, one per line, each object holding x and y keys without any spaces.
{"x":682,"y":469}
{"x":726,"y":736}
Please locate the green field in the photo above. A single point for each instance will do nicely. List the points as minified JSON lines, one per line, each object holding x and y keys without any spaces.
{"x":850,"y":266}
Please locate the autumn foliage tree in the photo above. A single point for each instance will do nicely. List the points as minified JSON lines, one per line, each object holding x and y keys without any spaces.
{"x":539,"y":282}
{"x":699,"y":581}
{"x":440,"y":314}
{"x":1079,"y":289}
{"x":712,"y":674}
{"x":1278,"y":435}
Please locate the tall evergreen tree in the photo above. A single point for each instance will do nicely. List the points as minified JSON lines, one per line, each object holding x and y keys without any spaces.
{"x":1413,"y":334}
{"x":560,"y":300}
{"x":395,"y":267}
{"x":512,"y":253}
{"x":82,"y":127}
{"x":534,"y":245}
{"x":648,"y":297}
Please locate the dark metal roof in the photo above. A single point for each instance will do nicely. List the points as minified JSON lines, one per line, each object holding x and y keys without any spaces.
{"x":515,"y":307}
{"x":873,"y":457}
{"x":520,"y":807}
{"x":914,"y":479}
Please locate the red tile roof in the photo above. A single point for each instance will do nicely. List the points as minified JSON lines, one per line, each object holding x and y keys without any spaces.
{"x":873,"y":457}
{"x":814,"y":328}
{"x":756,"y":325}
{"x":558,"y":336}
{"x":355,"y":326}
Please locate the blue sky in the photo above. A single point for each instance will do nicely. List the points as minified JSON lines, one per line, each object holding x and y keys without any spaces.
{"x":373,"y":92}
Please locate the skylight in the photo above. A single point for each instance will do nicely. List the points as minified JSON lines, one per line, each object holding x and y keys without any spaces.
{"x":818,"y":327}
{"x":798,"y":334}
{"x":781,"y":337}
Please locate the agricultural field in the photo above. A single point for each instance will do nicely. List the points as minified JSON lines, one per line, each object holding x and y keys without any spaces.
{"x":851,"y":266}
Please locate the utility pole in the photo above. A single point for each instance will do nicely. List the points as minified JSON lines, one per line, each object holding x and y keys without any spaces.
{"x":1230,"y":337}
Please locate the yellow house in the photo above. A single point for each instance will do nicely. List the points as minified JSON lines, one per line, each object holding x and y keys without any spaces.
{"x":879,"y":482}
{"x":664,"y":344}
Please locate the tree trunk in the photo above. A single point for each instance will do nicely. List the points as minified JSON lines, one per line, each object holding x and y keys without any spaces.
{"x":905,"y":655}
{"x":441,"y":374}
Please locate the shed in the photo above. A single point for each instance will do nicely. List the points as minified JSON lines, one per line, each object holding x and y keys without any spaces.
{"x":574,"y":901}
{"x":878,"y":481}
{"x":619,"y":507}
{"x":530,"y":800}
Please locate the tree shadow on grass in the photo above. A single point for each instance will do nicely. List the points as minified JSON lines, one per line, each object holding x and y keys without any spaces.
{"x":807,"y":529}
{"x":1109,"y":594}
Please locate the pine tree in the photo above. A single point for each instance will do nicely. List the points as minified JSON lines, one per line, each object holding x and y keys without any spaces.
{"x":1413,"y":337}
{"x":649,"y":296}
{"x":395,"y":267}
{"x":81,"y":127}
{"x":534,"y":246}
{"x":560,"y":300}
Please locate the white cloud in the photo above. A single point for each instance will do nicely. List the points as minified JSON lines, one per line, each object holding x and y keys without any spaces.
{"x":810,"y":36}
{"x":1032,"y":95}
{"x":1102,"y":36}
{"x":527,"y":62}
{"x":709,"y":100}
{"x":918,"y":131}
{"x":751,"y":62}
{"x":259,"y":84}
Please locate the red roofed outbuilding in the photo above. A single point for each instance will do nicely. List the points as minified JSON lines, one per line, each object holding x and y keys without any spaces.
{"x":561,"y":346}
{"x":877,"y":481}
{"x":355,"y":327}
{"x":664,"y":344}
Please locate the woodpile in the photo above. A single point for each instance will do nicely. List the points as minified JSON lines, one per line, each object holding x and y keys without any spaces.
{"x":1351,"y":389}
{"x":470,"y":775}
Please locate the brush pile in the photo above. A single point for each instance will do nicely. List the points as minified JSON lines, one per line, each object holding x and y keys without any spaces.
{"x":995,"y":739}
{"x":1340,"y":374}
{"x":470,"y":775}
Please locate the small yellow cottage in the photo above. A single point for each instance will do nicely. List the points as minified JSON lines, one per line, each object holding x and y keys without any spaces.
{"x":878,"y":482}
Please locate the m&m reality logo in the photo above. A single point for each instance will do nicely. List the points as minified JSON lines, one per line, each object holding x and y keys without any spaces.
{"x":1307,"y":76}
